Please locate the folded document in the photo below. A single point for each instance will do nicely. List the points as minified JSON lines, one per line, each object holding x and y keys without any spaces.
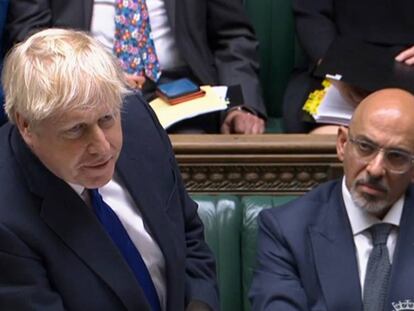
{"x":170,"y":114}
{"x":329,"y":106}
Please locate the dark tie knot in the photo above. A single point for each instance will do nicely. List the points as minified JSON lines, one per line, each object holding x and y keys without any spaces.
{"x":380,"y":233}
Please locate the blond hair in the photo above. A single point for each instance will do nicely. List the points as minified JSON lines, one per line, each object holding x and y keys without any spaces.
{"x":56,"y":70}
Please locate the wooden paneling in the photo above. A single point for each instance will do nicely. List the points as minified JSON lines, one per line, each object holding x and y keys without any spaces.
{"x":255,"y":164}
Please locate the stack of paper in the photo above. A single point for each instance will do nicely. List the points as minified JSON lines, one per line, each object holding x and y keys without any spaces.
{"x":334,"y":108}
{"x":170,"y":114}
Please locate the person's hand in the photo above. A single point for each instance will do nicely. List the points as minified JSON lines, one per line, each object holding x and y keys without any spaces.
{"x":242,"y":122}
{"x":352,"y":94}
{"x":406,"y":56}
{"x":134,"y":81}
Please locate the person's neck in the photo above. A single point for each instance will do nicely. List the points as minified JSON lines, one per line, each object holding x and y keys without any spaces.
{"x":381,"y":214}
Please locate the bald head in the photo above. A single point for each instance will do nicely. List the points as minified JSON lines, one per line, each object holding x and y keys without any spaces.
{"x":393,"y":106}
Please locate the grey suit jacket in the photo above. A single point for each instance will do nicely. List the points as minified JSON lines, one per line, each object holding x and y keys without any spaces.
{"x":215,"y":38}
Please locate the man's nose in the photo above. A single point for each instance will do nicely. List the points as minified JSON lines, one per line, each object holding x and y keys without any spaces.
{"x":376,"y":166}
{"x":98,"y":143}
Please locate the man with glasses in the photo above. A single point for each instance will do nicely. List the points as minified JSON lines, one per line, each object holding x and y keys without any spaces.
{"x":348,"y":245}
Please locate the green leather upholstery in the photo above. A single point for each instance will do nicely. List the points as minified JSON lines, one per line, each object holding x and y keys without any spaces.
{"x":221,"y":216}
{"x":274,"y":26}
{"x":230,"y":230}
{"x":251,"y":207}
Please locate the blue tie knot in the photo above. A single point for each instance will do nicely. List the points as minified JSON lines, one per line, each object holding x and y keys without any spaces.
{"x":380,"y":233}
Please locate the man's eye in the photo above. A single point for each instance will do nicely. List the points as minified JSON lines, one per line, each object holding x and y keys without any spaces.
{"x":107,"y":120}
{"x":397,"y":157}
{"x":365,"y":147}
{"x":75,"y":131}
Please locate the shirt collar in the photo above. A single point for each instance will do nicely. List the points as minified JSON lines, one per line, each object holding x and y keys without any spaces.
{"x":78,"y":188}
{"x":361,"y":220}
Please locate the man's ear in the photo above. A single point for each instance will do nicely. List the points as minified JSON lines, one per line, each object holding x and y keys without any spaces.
{"x":24,"y":128}
{"x":341,"y":140}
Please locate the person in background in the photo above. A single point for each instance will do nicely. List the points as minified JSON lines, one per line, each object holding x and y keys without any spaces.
{"x":318,"y":23}
{"x":94,"y":215}
{"x":347,"y":245}
{"x":210,"y":42}
{"x":3,"y":11}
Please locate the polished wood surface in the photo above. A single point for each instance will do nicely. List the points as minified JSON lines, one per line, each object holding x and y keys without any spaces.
{"x":255,"y":164}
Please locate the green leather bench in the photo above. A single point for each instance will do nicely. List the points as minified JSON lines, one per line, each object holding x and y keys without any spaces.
{"x":274,"y":26}
{"x":230,"y":230}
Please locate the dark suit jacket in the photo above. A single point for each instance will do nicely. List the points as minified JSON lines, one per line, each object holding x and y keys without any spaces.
{"x":3,"y":10}
{"x":319,"y":22}
{"x":307,"y":261}
{"x":54,"y":254}
{"x":215,"y":38}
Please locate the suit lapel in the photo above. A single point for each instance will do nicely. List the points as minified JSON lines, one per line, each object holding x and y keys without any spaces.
{"x":335,"y":258}
{"x":78,"y":227}
{"x":69,"y":218}
{"x":402,"y":273}
{"x":152,"y":204}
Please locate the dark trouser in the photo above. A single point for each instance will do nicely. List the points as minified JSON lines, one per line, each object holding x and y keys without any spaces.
{"x":297,"y":91}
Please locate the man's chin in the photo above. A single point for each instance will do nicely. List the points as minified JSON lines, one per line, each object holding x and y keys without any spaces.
{"x":97,"y":179}
{"x":370,"y":204}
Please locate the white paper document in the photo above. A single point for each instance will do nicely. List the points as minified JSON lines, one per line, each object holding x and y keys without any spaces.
{"x":213,"y":100}
{"x":334,"y":108}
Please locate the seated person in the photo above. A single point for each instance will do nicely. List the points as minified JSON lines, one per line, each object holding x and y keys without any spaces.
{"x":318,"y":23}
{"x":347,"y":245}
{"x":3,"y":11}
{"x":211,"y":42}
{"x":97,"y":217}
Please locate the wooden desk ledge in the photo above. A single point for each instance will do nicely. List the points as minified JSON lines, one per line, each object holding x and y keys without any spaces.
{"x":256,"y":164}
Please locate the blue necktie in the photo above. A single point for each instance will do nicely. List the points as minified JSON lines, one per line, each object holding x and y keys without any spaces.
{"x":378,"y":269}
{"x":117,"y":232}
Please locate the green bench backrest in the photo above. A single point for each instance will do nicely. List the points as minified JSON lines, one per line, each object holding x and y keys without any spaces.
{"x":274,"y":26}
{"x":251,"y":207}
{"x":230,"y":230}
{"x":221,"y":216}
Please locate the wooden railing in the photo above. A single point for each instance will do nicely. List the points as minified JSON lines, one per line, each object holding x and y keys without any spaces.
{"x":256,"y":164}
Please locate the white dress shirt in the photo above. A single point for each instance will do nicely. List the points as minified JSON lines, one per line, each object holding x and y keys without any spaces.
{"x":165,"y":46}
{"x":118,"y":198}
{"x":361,"y":221}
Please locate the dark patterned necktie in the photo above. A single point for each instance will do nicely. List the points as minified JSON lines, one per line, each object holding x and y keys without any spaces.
{"x":133,"y":44}
{"x":378,"y":269}
{"x":119,"y":235}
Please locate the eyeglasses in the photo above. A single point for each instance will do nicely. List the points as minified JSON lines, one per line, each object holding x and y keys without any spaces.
{"x":395,"y":161}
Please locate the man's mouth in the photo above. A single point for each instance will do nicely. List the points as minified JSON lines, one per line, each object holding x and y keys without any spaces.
{"x":98,"y":164}
{"x":372,"y":189}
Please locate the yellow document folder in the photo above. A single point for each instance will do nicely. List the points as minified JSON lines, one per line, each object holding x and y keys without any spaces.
{"x":169,"y":114}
